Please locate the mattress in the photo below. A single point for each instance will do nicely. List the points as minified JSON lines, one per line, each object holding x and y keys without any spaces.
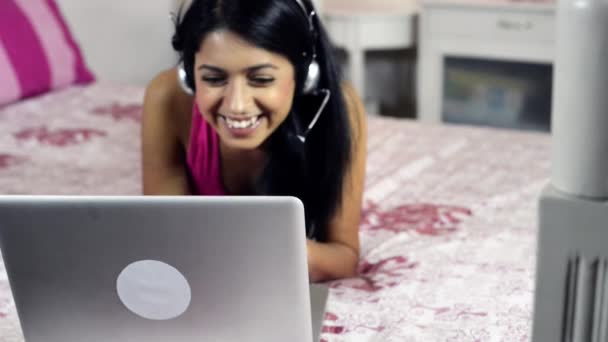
{"x":448,"y":231}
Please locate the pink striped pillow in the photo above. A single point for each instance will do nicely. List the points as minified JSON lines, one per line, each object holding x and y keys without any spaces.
{"x":37,"y":50}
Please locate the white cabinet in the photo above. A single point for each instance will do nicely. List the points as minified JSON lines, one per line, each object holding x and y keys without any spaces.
{"x":517,"y":31}
{"x":365,"y":26}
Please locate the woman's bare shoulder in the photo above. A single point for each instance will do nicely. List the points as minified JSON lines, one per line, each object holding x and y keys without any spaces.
{"x":167,"y":102}
{"x":164,"y":90}
{"x":164,"y":135}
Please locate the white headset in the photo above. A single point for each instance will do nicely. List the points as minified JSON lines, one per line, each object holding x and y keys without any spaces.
{"x":313,"y":74}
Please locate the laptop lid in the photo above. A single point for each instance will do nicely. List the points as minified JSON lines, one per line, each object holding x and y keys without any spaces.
{"x":157,"y":268}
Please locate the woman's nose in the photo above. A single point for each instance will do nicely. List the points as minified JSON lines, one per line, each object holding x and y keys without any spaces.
{"x":237,"y":98}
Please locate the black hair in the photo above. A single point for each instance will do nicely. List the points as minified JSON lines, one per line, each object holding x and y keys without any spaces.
{"x":313,"y":171}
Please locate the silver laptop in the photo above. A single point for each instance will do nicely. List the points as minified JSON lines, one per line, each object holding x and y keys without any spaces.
{"x":159,"y":269}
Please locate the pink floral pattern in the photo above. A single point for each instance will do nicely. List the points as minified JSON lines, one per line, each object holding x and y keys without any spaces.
{"x":120,"y":112}
{"x":58,"y":137}
{"x":425,"y":219}
{"x":7,"y":160}
{"x":448,"y":231}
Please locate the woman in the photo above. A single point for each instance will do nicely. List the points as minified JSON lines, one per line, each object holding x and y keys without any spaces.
{"x":261,"y":121}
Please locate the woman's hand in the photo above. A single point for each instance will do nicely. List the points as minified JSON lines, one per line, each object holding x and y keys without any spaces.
{"x":328,"y":261}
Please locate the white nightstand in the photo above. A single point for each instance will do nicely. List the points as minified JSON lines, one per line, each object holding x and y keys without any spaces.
{"x":364,"y":26}
{"x":518,"y":31}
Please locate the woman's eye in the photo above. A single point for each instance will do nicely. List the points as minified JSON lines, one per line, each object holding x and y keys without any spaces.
{"x":261,"y":81}
{"x":214,"y":80}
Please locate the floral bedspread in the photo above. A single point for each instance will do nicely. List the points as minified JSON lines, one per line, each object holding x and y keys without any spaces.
{"x":448,"y":233}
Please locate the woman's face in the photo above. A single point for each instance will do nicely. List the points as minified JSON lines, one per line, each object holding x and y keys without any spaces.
{"x":243,"y":91}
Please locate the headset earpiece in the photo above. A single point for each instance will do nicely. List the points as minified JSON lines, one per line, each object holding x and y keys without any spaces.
{"x":182,"y":77}
{"x":313,"y":76}
{"x":313,"y":71}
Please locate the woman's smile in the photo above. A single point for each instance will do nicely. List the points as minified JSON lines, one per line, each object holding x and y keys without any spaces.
{"x":242,"y":126}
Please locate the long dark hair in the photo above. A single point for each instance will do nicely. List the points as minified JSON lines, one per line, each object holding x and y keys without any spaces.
{"x":313,"y":171}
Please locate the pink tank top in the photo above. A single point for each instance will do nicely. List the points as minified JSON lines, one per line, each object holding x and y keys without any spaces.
{"x":203,"y":158}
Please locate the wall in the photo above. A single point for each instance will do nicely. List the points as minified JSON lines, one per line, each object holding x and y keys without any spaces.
{"x":129,"y":42}
{"x":123,"y":41}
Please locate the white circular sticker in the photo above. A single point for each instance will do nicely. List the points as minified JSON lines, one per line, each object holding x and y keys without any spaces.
{"x":154,"y":290}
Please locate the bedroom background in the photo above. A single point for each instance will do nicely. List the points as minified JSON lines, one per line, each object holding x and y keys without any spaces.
{"x":449,"y":226}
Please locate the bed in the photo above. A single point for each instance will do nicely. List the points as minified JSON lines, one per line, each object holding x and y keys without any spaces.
{"x":448,"y":231}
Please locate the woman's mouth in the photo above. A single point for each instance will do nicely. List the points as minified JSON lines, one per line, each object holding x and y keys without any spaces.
{"x":241,"y":127}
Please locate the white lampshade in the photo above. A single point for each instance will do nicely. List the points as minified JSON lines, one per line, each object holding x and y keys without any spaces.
{"x":580,"y":99}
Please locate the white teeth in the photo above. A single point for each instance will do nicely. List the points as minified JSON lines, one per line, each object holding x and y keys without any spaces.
{"x":242,"y":123}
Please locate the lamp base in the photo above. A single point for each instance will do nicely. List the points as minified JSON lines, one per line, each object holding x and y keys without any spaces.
{"x":571,"y":298}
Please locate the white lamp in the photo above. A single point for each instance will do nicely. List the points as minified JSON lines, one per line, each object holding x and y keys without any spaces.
{"x":580,"y":103}
{"x":571,"y":297}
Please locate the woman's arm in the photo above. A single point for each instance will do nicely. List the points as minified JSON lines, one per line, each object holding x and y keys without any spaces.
{"x":163,"y":155}
{"x":339,"y":256}
{"x":164,"y":171}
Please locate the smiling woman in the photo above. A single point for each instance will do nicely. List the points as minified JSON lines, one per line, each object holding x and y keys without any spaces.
{"x":244,"y":92}
{"x":268,"y":115}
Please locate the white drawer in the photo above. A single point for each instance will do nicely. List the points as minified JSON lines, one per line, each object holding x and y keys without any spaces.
{"x":373,"y":32}
{"x":386,"y":33}
{"x":492,"y":23}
